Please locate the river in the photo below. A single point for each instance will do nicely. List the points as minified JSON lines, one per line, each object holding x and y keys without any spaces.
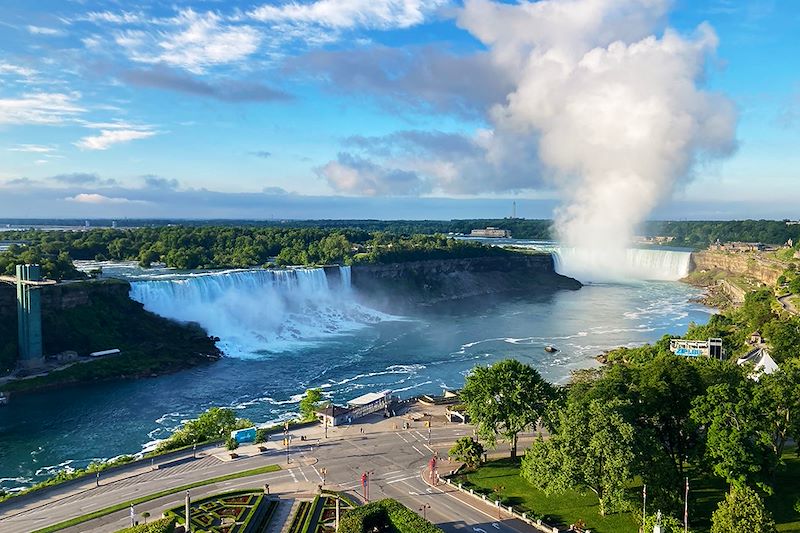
{"x":283,"y":333}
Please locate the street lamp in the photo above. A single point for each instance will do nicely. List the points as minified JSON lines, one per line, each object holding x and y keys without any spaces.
{"x":423,"y":509}
{"x":365,"y":483}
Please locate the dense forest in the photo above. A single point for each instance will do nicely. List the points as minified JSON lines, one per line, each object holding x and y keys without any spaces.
{"x":697,"y":233}
{"x":316,"y":242}
{"x":188,"y":247}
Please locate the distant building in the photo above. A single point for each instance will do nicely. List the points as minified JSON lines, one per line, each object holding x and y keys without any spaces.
{"x":657,"y":239}
{"x":738,"y":247}
{"x":490,"y":232}
{"x":693,"y":348}
{"x":373,"y":402}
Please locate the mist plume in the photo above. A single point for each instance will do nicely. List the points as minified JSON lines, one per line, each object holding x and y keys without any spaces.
{"x":618,"y":108}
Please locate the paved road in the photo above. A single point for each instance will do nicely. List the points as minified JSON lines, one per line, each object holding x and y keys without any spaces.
{"x":395,"y":458}
{"x":787,"y":304}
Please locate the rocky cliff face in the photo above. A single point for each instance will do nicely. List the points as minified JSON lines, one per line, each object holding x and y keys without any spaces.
{"x":753,"y":266}
{"x":401,"y":286}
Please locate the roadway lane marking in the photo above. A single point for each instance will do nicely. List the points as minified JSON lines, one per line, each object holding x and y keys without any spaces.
{"x":394,"y":472}
{"x":401,"y":479}
{"x":431,"y":449}
{"x":402,"y":437}
{"x":471,"y":507}
{"x":317,"y":472}
{"x":294,"y":478}
{"x":304,"y":474}
{"x":417,"y":449}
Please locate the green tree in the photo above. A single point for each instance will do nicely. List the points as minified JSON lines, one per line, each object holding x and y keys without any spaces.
{"x":594,"y":447}
{"x":663,"y":391}
{"x":215,"y":423}
{"x":757,"y":308}
{"x":504,"y":399}
{"x":468,"y":451}
{"x":783,"y":335}
{"x":738,"y":434}
{"x":778,"y":395}
{"x":794,"y":285}
{"x":742,"y":510}
{"x":312,"y":401}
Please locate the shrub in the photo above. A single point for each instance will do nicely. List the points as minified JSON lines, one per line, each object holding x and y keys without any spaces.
{"x":382,"y":515}
{"x":231,"y":443}
{"x":742,"y":510}
{"x":165,"y":525}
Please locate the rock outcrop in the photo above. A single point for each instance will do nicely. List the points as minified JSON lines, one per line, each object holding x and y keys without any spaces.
{"x":400,"y":286}
{"x":749,"y":265}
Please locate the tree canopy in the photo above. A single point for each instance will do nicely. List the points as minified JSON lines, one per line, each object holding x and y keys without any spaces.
{"x":505,"y":398}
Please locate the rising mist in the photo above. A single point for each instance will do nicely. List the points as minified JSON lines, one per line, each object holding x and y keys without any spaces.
{"x":617,"y":108}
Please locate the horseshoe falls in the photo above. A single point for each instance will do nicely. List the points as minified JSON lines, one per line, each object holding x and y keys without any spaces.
{"x":594,"y":266}
{"x":259,"y":312}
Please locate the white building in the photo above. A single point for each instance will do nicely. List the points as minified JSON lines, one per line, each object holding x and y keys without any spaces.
{"x":764,"y":363}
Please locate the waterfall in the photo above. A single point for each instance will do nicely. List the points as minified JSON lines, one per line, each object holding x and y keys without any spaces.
{"x":635,"y":264}
{"x":257,"y":312}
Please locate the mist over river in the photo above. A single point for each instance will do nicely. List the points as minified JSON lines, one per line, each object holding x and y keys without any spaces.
{"x":285,"y":332}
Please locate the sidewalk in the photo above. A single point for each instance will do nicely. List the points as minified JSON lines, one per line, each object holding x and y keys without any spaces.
{"x":486,"y":507}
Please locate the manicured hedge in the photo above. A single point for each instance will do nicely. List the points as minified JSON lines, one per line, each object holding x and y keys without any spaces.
{"x":165,"y":525}
{"x":385,"y":514}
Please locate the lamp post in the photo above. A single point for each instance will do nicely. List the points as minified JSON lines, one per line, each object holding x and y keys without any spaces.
{"x":424,"y":508}
{"x":188,"y":520}
{"x":365,"y":483}
{"x":286,"y":439}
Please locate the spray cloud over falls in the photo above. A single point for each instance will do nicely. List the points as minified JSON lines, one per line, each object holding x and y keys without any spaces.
{"x":618,"y":111}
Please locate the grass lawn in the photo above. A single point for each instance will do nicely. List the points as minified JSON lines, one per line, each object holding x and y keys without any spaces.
{"x":501,"y":478}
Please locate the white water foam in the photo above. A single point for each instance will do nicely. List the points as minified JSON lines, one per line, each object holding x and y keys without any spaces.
{"x":258,"y":312}
{"x":638,"y":264}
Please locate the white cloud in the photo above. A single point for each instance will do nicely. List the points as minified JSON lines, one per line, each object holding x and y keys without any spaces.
{"x":124,"y":17}
{"x":94,"y":198}
{"x":39,"y":108}
{"x":200,"y":40}
{"x":108,"y":138}
{"x":8,"y":68}
{"x":345,"y":14}
{"x":40,"y":30}
{"x":33,"y":148}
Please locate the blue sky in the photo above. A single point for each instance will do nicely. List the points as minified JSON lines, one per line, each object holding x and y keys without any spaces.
{"x":341,"y":108}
